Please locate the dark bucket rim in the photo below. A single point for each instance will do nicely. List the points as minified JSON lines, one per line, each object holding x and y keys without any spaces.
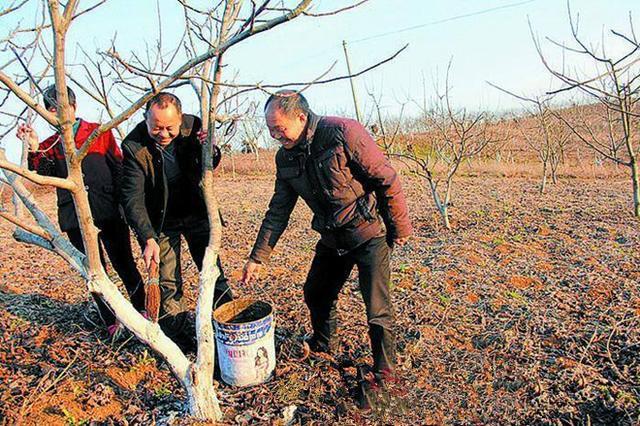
{"x":246,"y":302}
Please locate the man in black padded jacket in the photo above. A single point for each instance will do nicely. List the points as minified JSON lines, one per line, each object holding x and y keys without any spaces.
{"x":162,"y":200}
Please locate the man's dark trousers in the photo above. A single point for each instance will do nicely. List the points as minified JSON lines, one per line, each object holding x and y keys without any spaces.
{"x":327,"y":275}
{"x":195,"y":231}
{"x":114,"y":236}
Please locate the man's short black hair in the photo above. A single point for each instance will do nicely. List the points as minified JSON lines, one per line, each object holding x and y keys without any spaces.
{"x":289,"y":101}
{"x":51,"y":97}
{"x":163,"y":100}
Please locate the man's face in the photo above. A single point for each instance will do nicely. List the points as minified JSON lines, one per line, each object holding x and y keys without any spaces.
{"x":288,"y":130}
{"x":52,"y":109}
{"x":163,"y":124}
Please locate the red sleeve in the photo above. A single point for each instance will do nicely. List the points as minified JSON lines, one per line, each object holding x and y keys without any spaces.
{"x":33,"y":160}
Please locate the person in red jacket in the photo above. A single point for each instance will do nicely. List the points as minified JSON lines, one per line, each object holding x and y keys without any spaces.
{"x":359,"y":209}
{"x":101,"y":171}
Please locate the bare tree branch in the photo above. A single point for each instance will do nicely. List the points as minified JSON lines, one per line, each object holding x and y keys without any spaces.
{"x":36,"y":178}
{"x":187,"y":66}
{"x":45,"y":26}
{"x":27,"y":99}
{"x":36,"y":230}
{"x":12,"y":8}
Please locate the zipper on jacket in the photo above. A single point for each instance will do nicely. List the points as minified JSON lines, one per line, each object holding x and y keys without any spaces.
{"x":165,"y":192}
{"x":313,"y":171}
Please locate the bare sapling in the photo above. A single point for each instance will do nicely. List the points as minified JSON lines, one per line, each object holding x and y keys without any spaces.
{"x":614,"y":88}
{"x":543,"y":133}
{"x":447,"y":138}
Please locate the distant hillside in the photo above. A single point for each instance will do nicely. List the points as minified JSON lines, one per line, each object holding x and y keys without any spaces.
{"x":511,"y":131}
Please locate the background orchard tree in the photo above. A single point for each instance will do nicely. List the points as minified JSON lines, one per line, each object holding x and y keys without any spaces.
{"x":547,"y":137}
{"x":252,"y":133}
{"x":543,"y":132}
{"x":614,"y":87}
{"x":443,"y":139}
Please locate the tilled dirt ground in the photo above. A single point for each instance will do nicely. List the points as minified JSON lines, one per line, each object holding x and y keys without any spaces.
{"x":528,"y":312}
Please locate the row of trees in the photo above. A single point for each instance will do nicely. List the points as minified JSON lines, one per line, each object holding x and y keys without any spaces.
{"x":442,"y":138}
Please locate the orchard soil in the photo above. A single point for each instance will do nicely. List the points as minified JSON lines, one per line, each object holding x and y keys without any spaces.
{"x":527,"y":312}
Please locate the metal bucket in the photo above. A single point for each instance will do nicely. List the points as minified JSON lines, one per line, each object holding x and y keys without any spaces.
{"x":245,"y":341}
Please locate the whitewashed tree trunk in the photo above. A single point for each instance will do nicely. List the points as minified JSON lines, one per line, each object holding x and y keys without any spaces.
{"x":543,"y":182}
{"x":441,"y":206}
{"x":196,"y":377}
{"x":636,"y":187}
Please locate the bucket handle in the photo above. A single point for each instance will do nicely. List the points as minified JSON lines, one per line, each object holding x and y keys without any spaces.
{"x":264,"y":293}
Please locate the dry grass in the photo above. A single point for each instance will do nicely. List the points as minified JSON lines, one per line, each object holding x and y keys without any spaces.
{"x":528,"y":312}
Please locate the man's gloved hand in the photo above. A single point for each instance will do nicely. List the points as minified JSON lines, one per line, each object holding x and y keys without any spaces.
{"x":250,"y":271}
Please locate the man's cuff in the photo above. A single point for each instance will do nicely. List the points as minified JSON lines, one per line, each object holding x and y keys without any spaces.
{"x":259,"y":256}
{"x":147,"y":234}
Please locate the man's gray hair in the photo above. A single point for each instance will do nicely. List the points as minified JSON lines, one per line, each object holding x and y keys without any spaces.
{"x":289,"y":102}
{"x":163,"y":100}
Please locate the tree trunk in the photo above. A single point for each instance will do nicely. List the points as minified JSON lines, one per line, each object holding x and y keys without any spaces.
{"x":442,"y":207}
{"x":636,"y":187}
{"x":201,"y":395}
{"x":202,"y":398}
{"x":543,"y":183}
{"x":444,"y":212}
{"x":203,"y":403}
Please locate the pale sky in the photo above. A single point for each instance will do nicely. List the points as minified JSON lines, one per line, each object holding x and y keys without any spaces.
{"x":487,"y":40}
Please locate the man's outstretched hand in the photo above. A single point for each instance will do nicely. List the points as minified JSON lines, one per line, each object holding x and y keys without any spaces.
{"x":250,"y":271}
{"x":151,"y":251}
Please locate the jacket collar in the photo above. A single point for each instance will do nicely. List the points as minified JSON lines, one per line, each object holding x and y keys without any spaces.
{"x":312,"y":125}
{"x":309,"y":133}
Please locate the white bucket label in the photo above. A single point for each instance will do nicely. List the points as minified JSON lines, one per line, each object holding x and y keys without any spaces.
{"x":243,"y":334}
{"x":246,"y":351}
